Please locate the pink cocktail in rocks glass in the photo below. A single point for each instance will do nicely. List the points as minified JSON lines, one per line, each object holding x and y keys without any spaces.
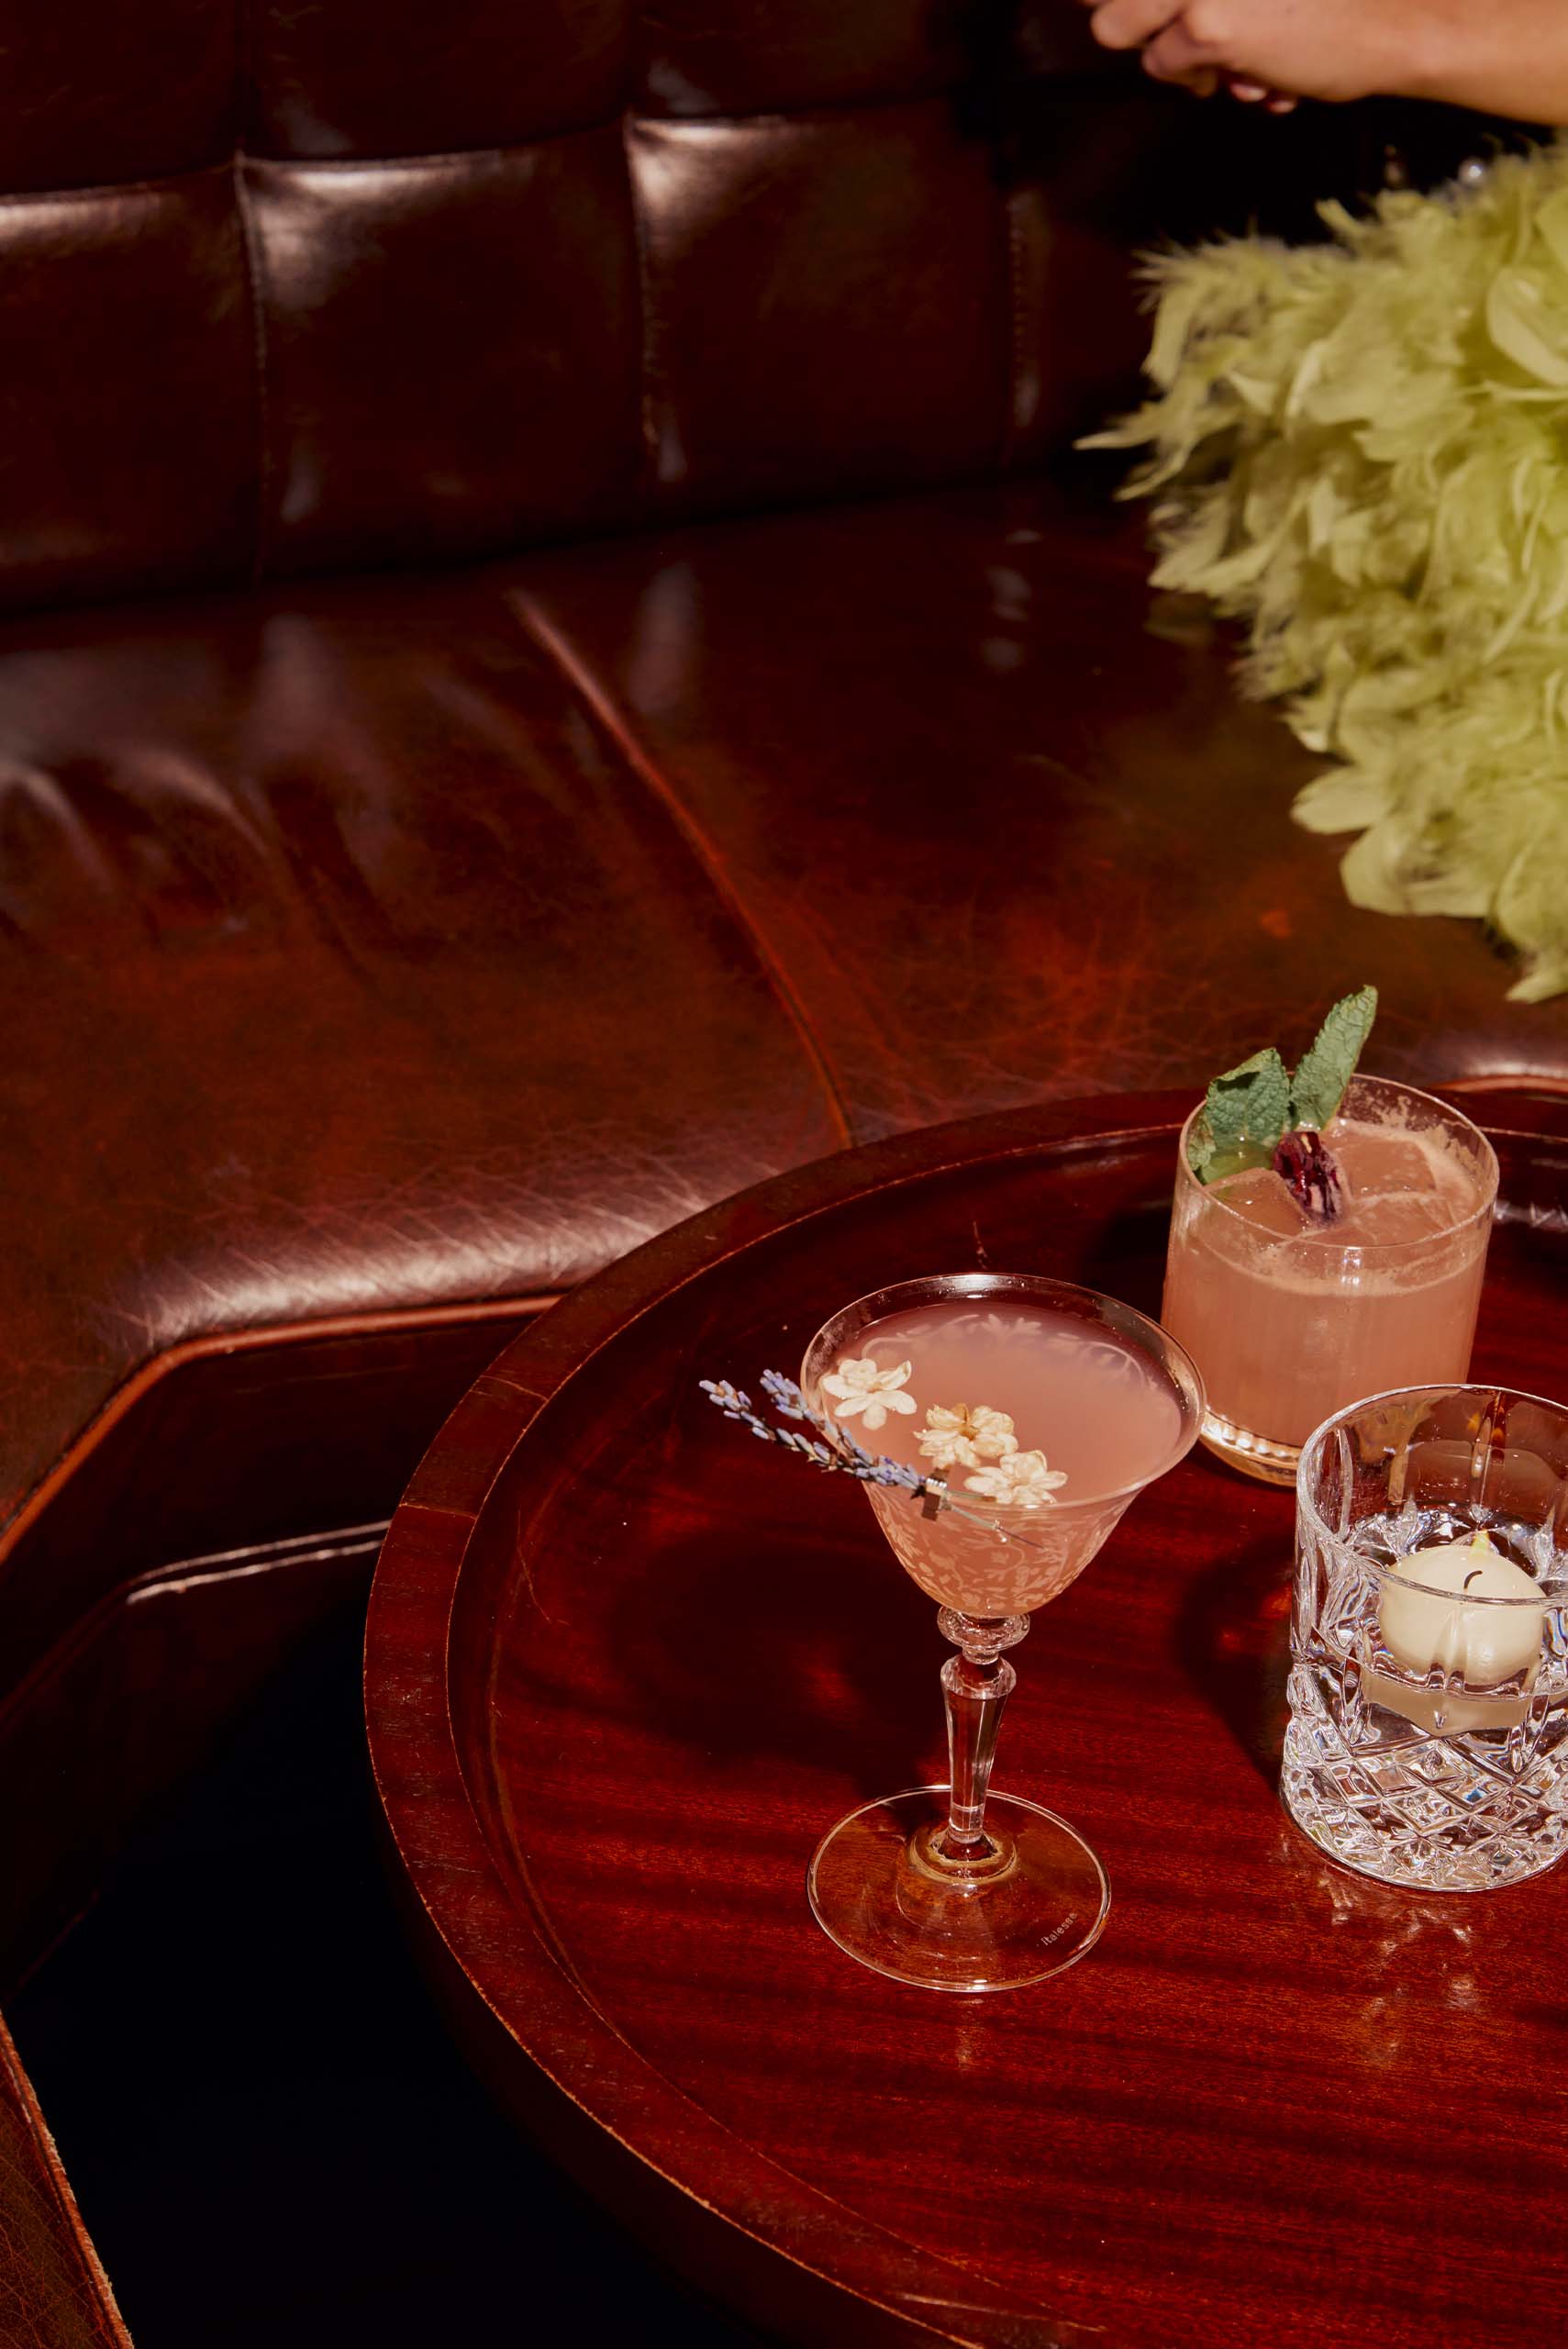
{"x":1044,"y":1409}
{"x":1290,"y":1319}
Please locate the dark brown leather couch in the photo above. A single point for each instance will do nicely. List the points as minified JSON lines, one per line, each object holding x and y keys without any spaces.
{"x":553,"y":668}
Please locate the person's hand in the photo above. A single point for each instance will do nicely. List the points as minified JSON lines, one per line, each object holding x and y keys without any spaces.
{"x":1272,"y":51}
{"x":1503,"y":57}
{"x":1258,"y":93}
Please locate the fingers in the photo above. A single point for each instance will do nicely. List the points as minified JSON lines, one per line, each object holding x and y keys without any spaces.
{"x":1252,"y":93}
{"x":1202,"y":82}
{"x":1171,"y":53}
{"x":1175,"y":56}
{"x":1129,"y":24}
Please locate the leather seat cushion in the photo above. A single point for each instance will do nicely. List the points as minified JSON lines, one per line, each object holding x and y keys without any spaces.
{"x":403,"y":950}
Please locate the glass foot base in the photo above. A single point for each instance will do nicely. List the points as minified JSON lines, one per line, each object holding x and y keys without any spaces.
{"x":1031,"y":1906}
{"x":1255,"y":1455}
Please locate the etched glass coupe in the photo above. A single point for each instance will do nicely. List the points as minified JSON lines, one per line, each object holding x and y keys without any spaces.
{"x":1045,"y":1408}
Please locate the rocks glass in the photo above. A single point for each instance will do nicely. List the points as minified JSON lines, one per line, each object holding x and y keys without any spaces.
{"x":1427,"y":1741}
{"x":1287,"y":1322}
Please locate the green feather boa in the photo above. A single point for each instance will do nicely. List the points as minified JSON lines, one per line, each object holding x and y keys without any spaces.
{"x":1361,"y":450}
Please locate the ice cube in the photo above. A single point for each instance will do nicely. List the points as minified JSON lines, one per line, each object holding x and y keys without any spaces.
{"x":1381,"y":1159}
{"x":1392,"y":1219}
{"x":1265,"y":1200}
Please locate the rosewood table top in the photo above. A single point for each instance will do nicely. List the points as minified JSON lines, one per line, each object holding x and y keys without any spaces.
{"x":625,"y":1665}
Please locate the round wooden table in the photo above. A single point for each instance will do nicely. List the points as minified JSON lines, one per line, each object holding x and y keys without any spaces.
{"x":625,"y":1665}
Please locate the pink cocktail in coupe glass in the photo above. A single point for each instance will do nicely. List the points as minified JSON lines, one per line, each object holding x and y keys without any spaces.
{"x":1291,"y":1320}
{"x":1045,"y":1409}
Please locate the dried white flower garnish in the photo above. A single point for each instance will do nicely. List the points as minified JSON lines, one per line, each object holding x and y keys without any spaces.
{"x":858,"y":1386}
{"x":961,"y":1438}
{"x":1021,"y":1480}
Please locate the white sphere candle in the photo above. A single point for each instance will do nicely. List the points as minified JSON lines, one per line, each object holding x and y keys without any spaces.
{"x":1482,"y":1645}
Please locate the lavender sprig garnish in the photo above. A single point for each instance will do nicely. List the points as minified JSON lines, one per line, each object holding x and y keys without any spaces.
{"x":835,"y":1449}
{"x":841,"y":1456}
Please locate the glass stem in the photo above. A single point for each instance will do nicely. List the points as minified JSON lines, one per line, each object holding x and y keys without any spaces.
{"x":976,"y":1684}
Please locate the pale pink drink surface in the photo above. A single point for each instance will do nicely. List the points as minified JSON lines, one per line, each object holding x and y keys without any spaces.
{"x":1099,"y":1408}
{"x":1289,"y":1319}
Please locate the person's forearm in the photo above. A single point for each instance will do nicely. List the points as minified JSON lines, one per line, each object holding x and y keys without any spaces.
{"x":1505,"y":57}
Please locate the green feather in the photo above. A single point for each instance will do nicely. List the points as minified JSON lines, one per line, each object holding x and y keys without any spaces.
{"x":1360,"y":453}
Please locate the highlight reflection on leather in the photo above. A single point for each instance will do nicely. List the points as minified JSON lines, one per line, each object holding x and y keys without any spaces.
{"x":361,"y":974}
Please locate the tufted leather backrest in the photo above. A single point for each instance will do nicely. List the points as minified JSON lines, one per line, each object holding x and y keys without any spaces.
{"x":323,"y":283}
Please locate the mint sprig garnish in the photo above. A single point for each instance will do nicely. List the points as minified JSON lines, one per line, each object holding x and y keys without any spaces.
{"x":1245,"y":1113}
{"x":1329,"y":1061}
{"x":1249,"y":1110}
